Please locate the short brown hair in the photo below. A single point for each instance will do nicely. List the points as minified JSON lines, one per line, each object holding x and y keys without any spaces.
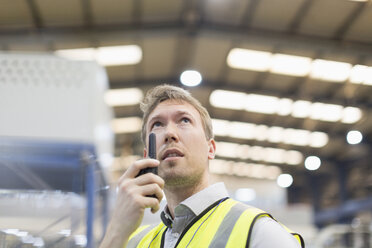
{"x":165,"y":92}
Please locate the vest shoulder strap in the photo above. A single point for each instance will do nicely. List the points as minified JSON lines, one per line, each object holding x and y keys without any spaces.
{"x":150,"y":234}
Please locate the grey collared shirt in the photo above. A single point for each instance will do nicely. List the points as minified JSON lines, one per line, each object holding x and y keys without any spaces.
{"x":266,"y":232}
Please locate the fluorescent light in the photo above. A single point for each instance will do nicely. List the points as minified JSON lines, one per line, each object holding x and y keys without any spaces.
{"x":105,"y":56}
{"x":354,"y":137}
{"x":219,"y":166}
{"x":318,"y":139}
{"x":123,"y":97}
{"x":245,"y":194}
{"x":297,"y":137}
{"x":221,"y":127}
{"x":227,"y":99}
{"x":283,"y":106}
{"x":250,"y":131}
{"x":249,"y":59}
{"x":326,"y":112}
{"x":368,"y":77}
{"x":127,"y":125}
{"x":272,"y":155}
{"x":284,"y":180}
{"x":293,"y":157}
{"x":191,"y":78}
{"x":351,"y":115}
{"x":330,"y":70}
{"x":227,"y":150}
{"x":261,"y":132}
{"x":241,"y":130}
{"x":258,"y":153}
{"x":299,"y":66}
{"x":275,"y":134}
{"x":358,"y":74}
{"x":261,"y":103}
{"x":119,"y":55}
{"x":361,"y":74}
{"x":77,"y":54}
{"x":312,"y":163}
{"x":290,"y":65}
{"x":301,"y":109}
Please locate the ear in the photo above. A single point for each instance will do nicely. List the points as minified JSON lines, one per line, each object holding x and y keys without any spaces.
{"x":144,"y":152}
{"x":212,"y":149}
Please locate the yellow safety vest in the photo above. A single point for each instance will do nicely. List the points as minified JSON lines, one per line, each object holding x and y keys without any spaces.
{"x":227,"y":223}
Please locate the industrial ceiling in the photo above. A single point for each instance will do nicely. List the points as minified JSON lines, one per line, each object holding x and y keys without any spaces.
{"x":176,"y":35}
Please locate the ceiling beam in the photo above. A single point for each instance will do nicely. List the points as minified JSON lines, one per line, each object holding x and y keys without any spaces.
{"x":35,"y":13}
{"x":249,"y":13}
{"x":127,"y":31}
{"x":300,"y":16}
{"x":86,"y":7}
{"x":350,"y":20}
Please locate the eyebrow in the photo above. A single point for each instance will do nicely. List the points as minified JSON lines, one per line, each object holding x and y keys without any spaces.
{"x":178,"y":113}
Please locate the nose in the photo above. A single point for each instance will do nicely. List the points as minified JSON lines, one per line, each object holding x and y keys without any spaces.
{"x":170,"y":134}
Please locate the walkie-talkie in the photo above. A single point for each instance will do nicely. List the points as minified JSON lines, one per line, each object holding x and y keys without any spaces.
{"x":152,"y":154}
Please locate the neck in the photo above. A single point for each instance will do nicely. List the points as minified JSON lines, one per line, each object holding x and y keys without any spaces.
{"x":175,"y":195}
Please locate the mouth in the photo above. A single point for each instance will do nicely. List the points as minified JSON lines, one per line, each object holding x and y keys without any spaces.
{"x":172,"y":154}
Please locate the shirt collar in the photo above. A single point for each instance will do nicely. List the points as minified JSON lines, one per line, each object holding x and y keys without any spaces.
{"x":198,"y":202}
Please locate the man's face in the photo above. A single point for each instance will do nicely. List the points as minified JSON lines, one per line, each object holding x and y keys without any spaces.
{"x":181,"y":145}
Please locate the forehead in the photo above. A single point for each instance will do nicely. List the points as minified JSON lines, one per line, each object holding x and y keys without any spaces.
{"x":170,"y":107}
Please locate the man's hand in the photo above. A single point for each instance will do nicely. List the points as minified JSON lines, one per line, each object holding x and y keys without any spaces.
{"x":134,"y":195}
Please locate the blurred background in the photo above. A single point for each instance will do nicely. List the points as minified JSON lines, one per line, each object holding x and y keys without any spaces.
{"x":288,"y":84}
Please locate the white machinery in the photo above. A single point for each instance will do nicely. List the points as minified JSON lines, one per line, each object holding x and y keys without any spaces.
{"x":55,"y":141}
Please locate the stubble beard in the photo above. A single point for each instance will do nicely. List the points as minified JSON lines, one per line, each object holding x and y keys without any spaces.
{"x":174,"y":179}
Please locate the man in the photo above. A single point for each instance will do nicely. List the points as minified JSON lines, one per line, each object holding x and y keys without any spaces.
{"x":197,"y":214}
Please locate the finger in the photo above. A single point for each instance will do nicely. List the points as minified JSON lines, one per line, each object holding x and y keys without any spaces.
{"x":149,"y":178}
{"x":135,"y":168}
{"x":152,"y":203}
{"x":152,"y":189}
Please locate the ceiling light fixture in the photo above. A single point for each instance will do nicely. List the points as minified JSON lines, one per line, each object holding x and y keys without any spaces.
{"x":284,"y":180}
{"x":312,"y":163}
{"x":190,"y":78}
{"x":228,"y":167}
{"x":361,"y":74}
{"x":259,"y":153}
{"x":126,"y":125}
{"x":284,"y":106}
{"x":123,"y":97}
{"x":249,"y":59}
{"x":290,"y":65}
{"x":328,"y":70}
{"x":274,"y":134}
{"x":354,"y":137}
{"x":105,"y":56}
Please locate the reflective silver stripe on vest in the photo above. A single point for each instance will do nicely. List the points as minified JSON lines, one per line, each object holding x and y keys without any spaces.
{"x":133,"y":242}
{"x":223,"y":233}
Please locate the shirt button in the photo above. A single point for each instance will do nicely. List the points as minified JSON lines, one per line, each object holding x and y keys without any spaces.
{"x":176,"y":235}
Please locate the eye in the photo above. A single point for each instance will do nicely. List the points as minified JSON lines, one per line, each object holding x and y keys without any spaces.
{"x":156,"y":124}
{"x":185,"y":120}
